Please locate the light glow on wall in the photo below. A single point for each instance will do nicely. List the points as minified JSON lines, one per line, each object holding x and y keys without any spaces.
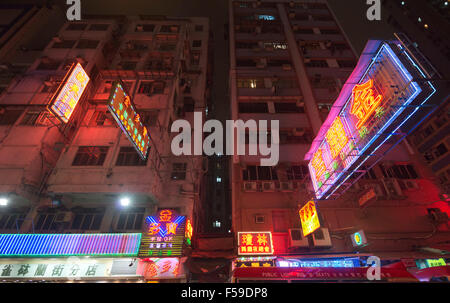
{"x":55,"y":245}
{"x":128,"y":119}
{"x":69,"y":93}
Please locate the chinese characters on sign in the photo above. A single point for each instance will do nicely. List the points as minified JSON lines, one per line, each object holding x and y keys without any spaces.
{"x":364,"y":102}
{"x":367,"y":196}
{"x":336,"y":137}
{"x":160,"y":268}
{"x":70,"y":92}
{"x":309,"y":218}
{"x":255,"y":243}
{"x":130,"y":122}
{"x":318,"y":164}
{"x":165,"y":235}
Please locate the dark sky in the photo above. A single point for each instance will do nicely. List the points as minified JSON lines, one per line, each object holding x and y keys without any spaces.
{"x":351,"y":13}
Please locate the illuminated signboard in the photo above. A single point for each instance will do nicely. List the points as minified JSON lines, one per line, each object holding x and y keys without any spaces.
{"x":435,"y":262}
{"x":164,"y":236}
{"x":385,"y":90}
{"x":69,"y":93}
{"x":160,"y":268}
{"x":309,"y":218}
{"x":255,"y":243}
{"x":255,"y":262}
{"x":188,"y":232}
{"x":336,"y":263}
{"x":126,"y":116}
{"x":56,"y":245}
{"x":359,"y":238}
{"x":367,"y":196}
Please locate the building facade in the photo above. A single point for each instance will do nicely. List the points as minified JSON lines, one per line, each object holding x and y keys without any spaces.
{"x":289,"y":61}
{"x":85,"y":176}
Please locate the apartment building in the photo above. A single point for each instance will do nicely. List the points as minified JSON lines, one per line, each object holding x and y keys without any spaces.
{"x":71,"y":178}
{"x":422,"y":22}
{"x":289,"y":60}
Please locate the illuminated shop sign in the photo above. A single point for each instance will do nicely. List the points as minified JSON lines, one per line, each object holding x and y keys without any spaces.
{"x":336,"y":263}
{"x":160,"y":268}
{"x":188,"y":232}
{"x":255,"y":243}
{"x":55,"y":245}
{"x":309,"y":218}
{"x":164,"y":236}
{"x":369,"y":195}
{"x":435,"y":262}
{"x":255,"y":262}
{"x":126,"y":116}
{"x":69,"y":93}
{"x":358,"y":238}
{"x":381,"y":95}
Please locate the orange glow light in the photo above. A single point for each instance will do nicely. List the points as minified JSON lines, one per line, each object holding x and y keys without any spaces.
{"x":317,"y":163}
{"x":165,"y":215}
{"x":336,"y":137}
{"x":309,"y":218}
{"x":364,"y":103}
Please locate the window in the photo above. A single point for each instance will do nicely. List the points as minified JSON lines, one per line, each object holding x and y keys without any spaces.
{"x":131,"y":220}
{"x":45,"y":222}
{"x":150,"y":118}
{"x":279,"y":221}
{"x":346,"y":63}
{"x":167,"y":46}
{"x":11,"y":221}
{"x":297,"y":172}
{"x":316,"y":63}
{"x":151,"y":87}
{"x":86,"y":43}
{"x":128,"y":156}
{"x":440,"y":150}
{"x":9,"y":117}
{"x":101,"y":118}
{"x":145,"y":87}
{"x":90,"y":156}
{"x":250,"y":83}
{"x":64,"y":44}
{"x":290,"y":107}
{"x":195,"y":58}
{"x":47,"y":64}
{"x":253,"y":107}
{"x":216,"y":224}
{"x":99,"y":27}
{"x":169,"y":28}
{"x":87,"y":220}
{"x":34,"y":118}
{"x":199,"y":28}
{"x":197,"y":43}
{"x":76,"y":27}
{"x":370,"y":174}
{"x":127,"y":65}
{"x":179,"y":171}
{"x":145,"y":28}
{"x":326,"y":31}
{"x":399,"y":172}
{"x":255,"y":173}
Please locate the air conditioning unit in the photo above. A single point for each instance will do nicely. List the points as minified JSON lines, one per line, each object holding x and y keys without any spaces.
{"x":268,"y":186}
{"x":64,"y":216}
{"x":287,"y":67}
{"x":299,"y":131}
{"x":296,"y":238}
{"x":259,"y":219}
{"x":321,"y":238}
{"x":250,"y":186}
{"x":286,"y":186}
{"x":392,"y":187}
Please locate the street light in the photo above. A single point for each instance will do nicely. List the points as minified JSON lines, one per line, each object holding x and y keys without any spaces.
{"x":3,"y":201}
{"x":125,"y":202}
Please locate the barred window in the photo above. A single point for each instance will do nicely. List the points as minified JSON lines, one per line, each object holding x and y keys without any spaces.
{"x":9,"y":117}
{"x":128,"y":156}
{"x":297,"y":172}
{"x":255,"y":173}
{"x":11,"y":221}
{"x":179,"y":171}
{"x":87,"y":220}
{"x":90,"y":156}
{"x":86,"y":43}
{"x":64,"y":44}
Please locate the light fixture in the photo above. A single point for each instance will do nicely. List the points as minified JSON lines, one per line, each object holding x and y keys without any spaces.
{"x":3,"y":201}
{"x":125,"y":201}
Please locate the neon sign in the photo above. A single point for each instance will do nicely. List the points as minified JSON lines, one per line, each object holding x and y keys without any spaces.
{"x":189,"y":231}
{"x":255,"y":243}
{"x":160,"y":268}
{"x":359,"y":238}
{"x":367,"y":196}
{"x":165,"y":235}
{"x":384,"y":91}
{"x":56,"y":245}
{"x":69,"y":93}
{"x":309,"y":218}
{"x":335,"y":263}
{"x":128,"y":119}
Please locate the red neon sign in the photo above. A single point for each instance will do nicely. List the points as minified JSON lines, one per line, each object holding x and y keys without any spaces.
{"x":255,"y":243}
{"x":74,"y":84}
{"x":364,"y":103}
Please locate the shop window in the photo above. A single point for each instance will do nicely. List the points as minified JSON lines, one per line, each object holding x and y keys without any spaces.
{"x":131,"y":220}
{"x":128,"y":156}
{"x":90,"y":156}
{"x":11,"y":221}
{"x":9,"y":117}
{"x":197,"y":43}
{"x":179,"y":171}
{"x":87,"y":43}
